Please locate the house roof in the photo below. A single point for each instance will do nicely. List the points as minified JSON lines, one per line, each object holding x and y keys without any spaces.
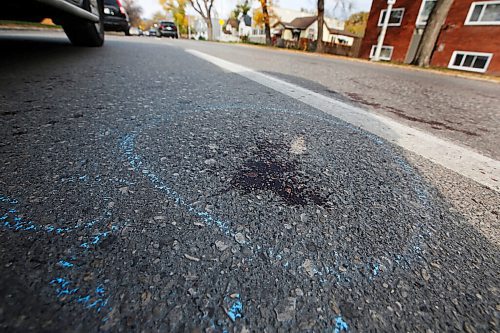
{"x":284,"y":24}
{"x":301,"y":22}
{"x":342,"y":33}
{"x":233,"y":22}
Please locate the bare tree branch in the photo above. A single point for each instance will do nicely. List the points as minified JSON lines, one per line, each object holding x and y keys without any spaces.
{"x":205,"y":14}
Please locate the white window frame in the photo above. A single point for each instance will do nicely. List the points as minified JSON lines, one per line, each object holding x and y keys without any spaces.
{"x":419,"y":17}
{"x":374,"y":47}
{"x":380,"y":23}
{"x":479,"y":22}
{"x":470,"y":69}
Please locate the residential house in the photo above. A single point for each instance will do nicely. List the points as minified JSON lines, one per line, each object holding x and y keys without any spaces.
{"x":288,"y":15}
{"x":307,"y":28}
{"x":278,"y":14}
{"x":342,"y":37}
{"x":469,"y":39}
{"x":245,"y":26}
{"x":232,"y":26}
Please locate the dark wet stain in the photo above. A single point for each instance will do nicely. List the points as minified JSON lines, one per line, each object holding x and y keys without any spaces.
{"x":358,"y":98}
{"x":19,"y":133}
{"x":7,"y":113}
{"x":267,"y":171}
{"x":434,"y":124}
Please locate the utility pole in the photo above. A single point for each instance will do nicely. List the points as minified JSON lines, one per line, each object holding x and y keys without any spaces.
{"x":385,"y":24}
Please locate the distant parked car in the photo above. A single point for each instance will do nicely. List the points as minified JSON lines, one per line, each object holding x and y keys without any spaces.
{"x":82,"y":20}
{"x":116,"y":17}
{"x":152,"y":32}
{"x":168,"y":29}
{"x":134,"y":31}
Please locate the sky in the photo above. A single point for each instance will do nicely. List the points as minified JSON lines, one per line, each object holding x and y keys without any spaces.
{"x":225,"y":6}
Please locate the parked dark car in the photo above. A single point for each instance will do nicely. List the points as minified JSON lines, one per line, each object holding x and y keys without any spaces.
{"x":82,"y":20}
{"x":168,"y":29}
{"x":116,"y":17}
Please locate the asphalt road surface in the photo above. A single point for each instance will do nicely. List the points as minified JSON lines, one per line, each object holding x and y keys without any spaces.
{"x":144,"y":189}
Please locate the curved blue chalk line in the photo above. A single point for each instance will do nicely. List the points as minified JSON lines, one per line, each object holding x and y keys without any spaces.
{"x":127,"y":145}
{"x":6,"y":199}
{"x":94,"y":300}
{"x":340,"y":325}
{"x":235,"y":310}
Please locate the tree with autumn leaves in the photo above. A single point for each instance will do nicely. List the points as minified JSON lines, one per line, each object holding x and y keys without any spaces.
{"x":265,"y":18}
{"x":178,"y":10}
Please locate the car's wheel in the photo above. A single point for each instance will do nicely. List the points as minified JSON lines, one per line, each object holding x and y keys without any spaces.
{"x":85,"y":33}
{"x":127,"y":32}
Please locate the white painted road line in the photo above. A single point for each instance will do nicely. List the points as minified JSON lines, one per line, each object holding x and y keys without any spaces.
{"x":463,"y":161}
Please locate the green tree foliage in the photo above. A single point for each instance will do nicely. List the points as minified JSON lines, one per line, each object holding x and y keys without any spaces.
{"x":241,"y":8}
{"x":356,"y":23}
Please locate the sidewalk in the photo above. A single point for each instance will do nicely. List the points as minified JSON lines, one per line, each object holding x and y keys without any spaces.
{"x":436,"y":70}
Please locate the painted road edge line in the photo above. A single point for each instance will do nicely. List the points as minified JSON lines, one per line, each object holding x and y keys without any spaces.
{"x":463,"y":161}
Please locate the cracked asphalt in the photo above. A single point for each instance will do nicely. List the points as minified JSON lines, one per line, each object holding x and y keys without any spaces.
{"x":146,"y":190}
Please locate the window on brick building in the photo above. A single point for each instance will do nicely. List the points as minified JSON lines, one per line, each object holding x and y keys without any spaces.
{"x":394,"y":20}
{"x":425,"y":11}
{"x":385,"y":54}
{"x":470,"y":61}
{"x":484,"y":13}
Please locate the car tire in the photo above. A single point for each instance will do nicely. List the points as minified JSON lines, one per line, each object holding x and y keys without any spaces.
{"x":85,"y":33}
{"x":127,"y":32}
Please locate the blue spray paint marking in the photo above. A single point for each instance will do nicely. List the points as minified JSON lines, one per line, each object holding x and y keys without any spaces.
{"x":235,"y":310}
{"x":128,"y":146}
{"x":340,"y":325}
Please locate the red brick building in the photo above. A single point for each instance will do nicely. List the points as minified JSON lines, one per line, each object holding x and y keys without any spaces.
{"x":469,"y":39}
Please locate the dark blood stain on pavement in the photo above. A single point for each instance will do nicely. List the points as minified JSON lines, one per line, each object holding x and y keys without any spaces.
{"x":266,"y":171}
{"x":434,"y":124}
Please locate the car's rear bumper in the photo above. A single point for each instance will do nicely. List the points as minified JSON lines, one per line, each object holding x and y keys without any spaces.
{"x":115,"y":24}
{"x":168,"y":33}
